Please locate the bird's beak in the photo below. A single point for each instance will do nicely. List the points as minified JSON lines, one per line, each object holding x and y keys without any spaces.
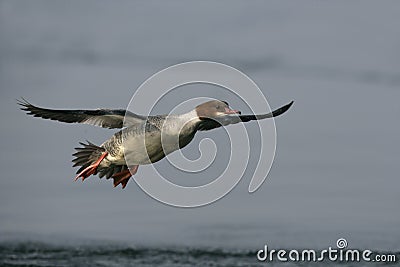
{"x":232,"y":111}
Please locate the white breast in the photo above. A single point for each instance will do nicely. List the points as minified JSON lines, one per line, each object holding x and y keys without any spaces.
{"x":159,"y":143}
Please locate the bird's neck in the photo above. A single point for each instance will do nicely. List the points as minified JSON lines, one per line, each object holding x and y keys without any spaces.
{"x":181,"y":124}
{"x":188,"y":121}
{"x":179,"y":130}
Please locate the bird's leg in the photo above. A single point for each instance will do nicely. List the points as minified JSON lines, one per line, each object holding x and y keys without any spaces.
{"x":134,"y":169}
{"x":124,"y":176}
{"x":92,"y":169}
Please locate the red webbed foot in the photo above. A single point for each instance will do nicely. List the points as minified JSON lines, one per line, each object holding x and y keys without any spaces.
{"x":124,"y":176}
{"x":92,"y":169}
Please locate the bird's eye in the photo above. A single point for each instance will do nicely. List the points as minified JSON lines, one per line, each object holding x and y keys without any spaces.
{"x":217,"y":107}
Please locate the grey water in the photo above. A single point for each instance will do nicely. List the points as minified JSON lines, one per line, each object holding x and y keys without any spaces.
{"x":335,"y":173}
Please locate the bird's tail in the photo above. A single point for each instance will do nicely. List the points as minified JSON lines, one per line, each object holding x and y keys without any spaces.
{"x":87,"y":155}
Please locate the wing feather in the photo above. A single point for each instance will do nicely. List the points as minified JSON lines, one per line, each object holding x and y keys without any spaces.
{"x":106,"y":118}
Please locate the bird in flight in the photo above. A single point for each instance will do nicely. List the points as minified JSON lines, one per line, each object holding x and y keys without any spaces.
{"x":143,"y":139}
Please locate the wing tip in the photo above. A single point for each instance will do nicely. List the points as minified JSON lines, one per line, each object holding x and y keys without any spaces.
{"x":23,"y":102}
{"x":282,"y":110}
{"x":287,"y":106}
{"x":25,"y":106}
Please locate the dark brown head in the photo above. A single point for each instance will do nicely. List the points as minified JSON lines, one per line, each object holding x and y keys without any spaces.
{"x":214,"y":109}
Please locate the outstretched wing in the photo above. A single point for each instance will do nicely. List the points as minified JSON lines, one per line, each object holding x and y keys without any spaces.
{"x":208,"y":123}
{"x":106,"y":118}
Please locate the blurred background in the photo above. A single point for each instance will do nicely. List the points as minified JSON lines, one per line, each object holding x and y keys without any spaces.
{"x":337,"y":161}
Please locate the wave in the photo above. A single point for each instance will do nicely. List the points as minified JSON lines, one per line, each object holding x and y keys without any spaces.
{"x":108,"y":254}
{"x":43,"y":254}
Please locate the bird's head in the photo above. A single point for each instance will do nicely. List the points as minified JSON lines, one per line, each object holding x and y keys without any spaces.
{"x":214,"y":109}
